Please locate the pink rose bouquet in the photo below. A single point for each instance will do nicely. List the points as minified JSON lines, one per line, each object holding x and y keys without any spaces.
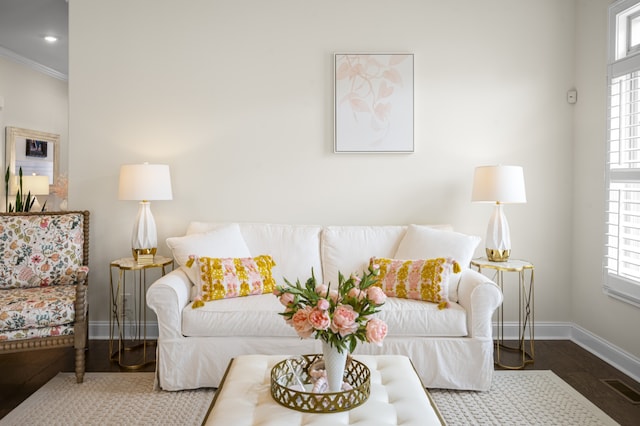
{"x":340,"y":317}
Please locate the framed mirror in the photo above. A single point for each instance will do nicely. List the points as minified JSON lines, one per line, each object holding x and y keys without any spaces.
{"x":36,"y":152}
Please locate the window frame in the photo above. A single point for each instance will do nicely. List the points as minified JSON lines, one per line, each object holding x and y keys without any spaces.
{"x":623,"y":61}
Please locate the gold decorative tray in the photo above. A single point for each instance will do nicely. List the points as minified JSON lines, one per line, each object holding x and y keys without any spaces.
{"x":290,"y":376}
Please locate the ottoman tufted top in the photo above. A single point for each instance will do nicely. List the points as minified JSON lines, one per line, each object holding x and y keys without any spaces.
{"x":397,"y":397}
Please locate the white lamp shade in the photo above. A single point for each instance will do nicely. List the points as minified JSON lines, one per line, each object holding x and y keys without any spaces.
{"x":36,"y":185}
{"x":145,"y":182}
{"x":502,"y":184}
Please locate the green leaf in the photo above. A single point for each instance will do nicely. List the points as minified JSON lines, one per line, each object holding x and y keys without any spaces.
{"x":6,"y":189}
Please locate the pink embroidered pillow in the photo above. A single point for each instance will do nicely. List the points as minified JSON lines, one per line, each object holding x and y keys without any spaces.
{"x":221,"y":278}
{"x":416,"y":279}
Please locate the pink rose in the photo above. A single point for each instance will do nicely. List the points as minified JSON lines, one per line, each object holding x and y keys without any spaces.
{"x":356,"y":293}
{"x":277,"y":292}
{"x":376,"y":295}
{"x":356,"y":278}
{"x":323,"y":304}
{"x":334,"y":296}
{"x":376,"y":331}
{"x":286,"y":299}
{"x":321,"y":290}
{"x":300,"y":322}
{"x":319,"y":319}
{"x":344,"y":320}
{"x":374,"y":267}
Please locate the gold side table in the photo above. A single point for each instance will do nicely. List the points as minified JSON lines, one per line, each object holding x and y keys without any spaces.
{"x":526,"y":317}
{"x":119,"y":320}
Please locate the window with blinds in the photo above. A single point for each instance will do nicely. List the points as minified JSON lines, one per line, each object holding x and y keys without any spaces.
{"x":622,"y":242}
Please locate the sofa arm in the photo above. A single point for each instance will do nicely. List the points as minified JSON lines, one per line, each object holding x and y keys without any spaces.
{"x":480,"y":297}
{"x":168,"y":296}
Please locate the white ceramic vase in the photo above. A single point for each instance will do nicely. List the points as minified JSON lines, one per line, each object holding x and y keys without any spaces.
{"x":334,"y":364}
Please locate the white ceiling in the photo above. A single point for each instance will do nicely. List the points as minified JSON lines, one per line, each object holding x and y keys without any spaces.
{"x":24,"y":23}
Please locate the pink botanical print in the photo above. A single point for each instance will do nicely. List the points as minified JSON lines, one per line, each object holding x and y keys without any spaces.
{"x":368,"y":88}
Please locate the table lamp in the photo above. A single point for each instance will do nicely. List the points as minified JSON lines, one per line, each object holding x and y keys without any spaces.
{"x":35,"y":185}
{"x":144,"y":182}
{"x":500,"y":185}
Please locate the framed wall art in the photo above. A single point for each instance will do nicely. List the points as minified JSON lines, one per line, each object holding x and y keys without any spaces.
{"x":34,"y":151}
{"x":373,"y":103}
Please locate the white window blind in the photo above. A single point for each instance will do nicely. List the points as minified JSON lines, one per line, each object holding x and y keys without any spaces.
{"x":622,"y":242}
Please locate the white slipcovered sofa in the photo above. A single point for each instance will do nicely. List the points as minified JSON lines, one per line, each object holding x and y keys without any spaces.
{"x":450,"y":348}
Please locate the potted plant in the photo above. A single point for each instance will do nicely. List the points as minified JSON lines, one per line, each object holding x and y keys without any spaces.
{"x":22,"y":203}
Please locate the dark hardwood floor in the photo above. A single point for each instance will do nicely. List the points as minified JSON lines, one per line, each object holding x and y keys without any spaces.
{"x":23,"y":373}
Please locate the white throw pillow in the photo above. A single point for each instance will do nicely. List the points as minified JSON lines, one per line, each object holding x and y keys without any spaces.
{"x":422,"y":242}
{"x":225,"y":241}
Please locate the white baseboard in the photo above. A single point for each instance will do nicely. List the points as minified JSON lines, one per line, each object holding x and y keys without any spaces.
{"x":613,"y":355}
{"x":99,"y":330}
{"x":618,"y":358}
{"x":542,"y":330}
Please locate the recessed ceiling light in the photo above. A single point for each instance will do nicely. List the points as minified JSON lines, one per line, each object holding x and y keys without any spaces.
{"x":50,"y":39}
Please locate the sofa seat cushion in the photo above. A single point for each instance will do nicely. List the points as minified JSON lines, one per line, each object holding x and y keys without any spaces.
{"x":257,"y":316}
{"x":37,"y":333}
{"x":407,"y":317}
{"x":37,"y":307}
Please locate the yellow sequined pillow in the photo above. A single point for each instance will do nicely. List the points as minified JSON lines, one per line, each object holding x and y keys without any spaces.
{"x":221,"y":278}
{"x":416,"y":279}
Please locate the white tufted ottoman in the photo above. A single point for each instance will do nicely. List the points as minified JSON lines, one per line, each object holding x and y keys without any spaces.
{"x":397,"y":397}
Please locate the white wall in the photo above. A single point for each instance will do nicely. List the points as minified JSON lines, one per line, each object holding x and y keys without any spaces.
{"x":603,"y":316}
{"x":236,"y":95}
{"x":35,"y":101}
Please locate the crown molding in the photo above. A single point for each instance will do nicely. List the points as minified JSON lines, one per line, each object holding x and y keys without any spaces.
{"x":10,"y":54}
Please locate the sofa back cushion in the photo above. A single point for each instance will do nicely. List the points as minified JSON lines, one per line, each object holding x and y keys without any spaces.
{"x":348,"y":249}
{"x":40,"y":250}
{"x":295,"y":249}
{"x":221,"y":241}
{"x":423,"y":242}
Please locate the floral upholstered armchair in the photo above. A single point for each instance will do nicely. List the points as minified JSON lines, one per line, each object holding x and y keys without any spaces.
{"x":43,"y":282}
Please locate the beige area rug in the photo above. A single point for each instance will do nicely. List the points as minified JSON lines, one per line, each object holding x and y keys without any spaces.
{"x":110,"y":399}
{"x":516,"y":398}
{"x":520,"y":398}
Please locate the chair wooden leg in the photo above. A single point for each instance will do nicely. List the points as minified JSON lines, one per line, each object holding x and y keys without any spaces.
{"x":79,"y":365}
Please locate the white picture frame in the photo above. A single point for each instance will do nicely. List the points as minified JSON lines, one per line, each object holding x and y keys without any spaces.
{"x":374,"y":103}
{"x":34,"y":151}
